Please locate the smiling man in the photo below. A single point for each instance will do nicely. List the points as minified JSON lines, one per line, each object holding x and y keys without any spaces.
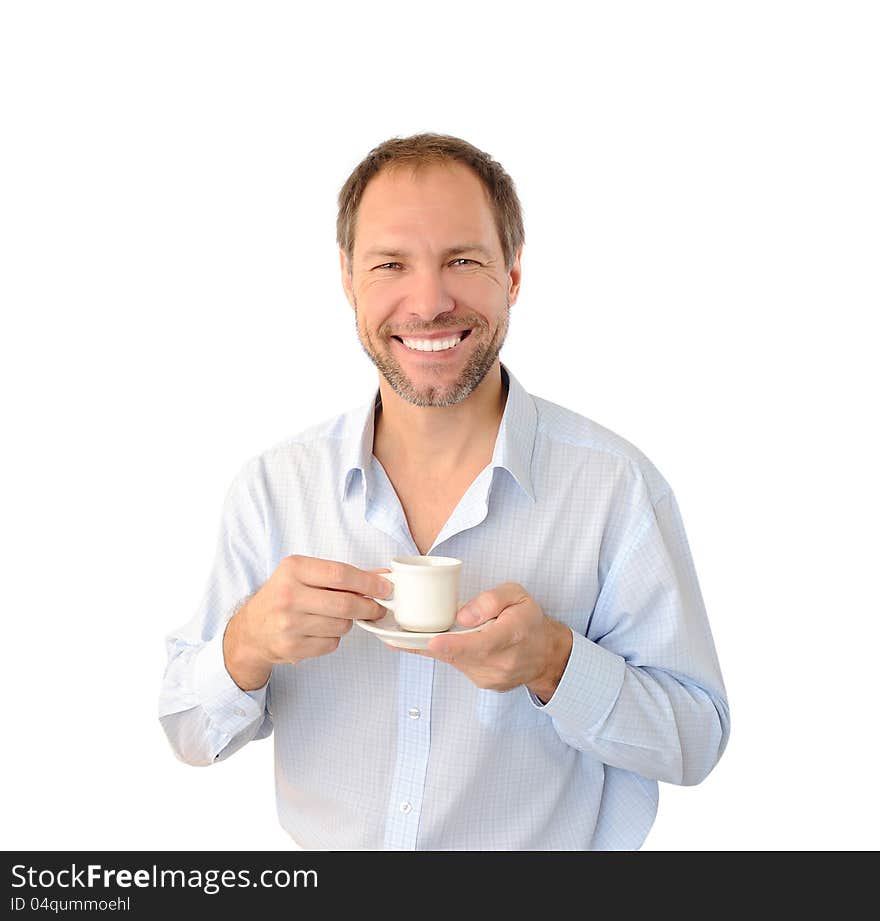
{"x":594,"y":675}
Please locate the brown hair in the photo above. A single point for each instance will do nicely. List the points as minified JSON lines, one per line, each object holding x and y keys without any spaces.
{"x":423,"y":149}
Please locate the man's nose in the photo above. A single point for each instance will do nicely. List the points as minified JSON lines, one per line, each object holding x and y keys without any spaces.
{"x":428,"y":295}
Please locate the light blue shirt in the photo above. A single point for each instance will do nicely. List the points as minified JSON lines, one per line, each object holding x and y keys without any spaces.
{"x":376,"y":748}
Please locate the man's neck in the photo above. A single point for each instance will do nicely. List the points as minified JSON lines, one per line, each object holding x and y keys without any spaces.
{"x":440,"y":439}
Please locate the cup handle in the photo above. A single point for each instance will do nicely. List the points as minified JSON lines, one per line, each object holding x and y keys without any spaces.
{"x":386,"y":602}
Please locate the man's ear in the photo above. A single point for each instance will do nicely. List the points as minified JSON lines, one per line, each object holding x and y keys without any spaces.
{"x":344,"y":270}
{"x":515,"y":276}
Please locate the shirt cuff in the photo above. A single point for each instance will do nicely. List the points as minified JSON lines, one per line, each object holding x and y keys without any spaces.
{"x":224,"y":702}
{"x":588,"y":689}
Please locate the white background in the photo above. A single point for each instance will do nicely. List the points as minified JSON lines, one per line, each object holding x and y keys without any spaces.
{"x":701,"y":198}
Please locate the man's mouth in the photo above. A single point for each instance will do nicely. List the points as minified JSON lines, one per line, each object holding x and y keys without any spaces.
{"x":441,"y":344}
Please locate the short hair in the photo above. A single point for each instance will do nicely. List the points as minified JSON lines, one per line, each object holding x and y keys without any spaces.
{"x":420,"y":150}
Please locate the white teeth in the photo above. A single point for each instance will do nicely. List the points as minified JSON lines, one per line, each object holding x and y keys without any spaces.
{"x":431,"y":345}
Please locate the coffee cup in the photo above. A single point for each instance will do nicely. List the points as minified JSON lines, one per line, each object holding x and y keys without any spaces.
{"x":425,"y":598}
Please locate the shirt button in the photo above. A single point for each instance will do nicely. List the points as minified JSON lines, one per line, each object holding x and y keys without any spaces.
{"x":405,"y":807}
{"x":413,"y":713}
{"x":239,"y":711}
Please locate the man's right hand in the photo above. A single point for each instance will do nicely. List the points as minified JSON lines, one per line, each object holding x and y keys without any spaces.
{"x":301,"y":611}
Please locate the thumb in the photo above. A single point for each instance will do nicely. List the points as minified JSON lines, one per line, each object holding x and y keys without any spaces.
{"x":474,"y":612}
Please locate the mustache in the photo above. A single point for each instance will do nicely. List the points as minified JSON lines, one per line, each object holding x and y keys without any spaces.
{"x":410,"y":331}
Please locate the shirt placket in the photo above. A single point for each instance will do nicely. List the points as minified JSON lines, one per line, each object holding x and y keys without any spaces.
{"x":416,"y":673}
{"x":406,"y":798}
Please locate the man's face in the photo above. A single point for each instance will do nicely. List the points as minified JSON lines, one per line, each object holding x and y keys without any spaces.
{"x":427,"y":268}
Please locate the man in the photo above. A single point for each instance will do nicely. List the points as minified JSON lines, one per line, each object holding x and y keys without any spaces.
{"x":550,"y":727}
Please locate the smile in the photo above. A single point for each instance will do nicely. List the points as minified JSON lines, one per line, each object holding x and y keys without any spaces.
{"x":432,"y":345}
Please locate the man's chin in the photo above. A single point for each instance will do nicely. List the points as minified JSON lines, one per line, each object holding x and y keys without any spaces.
{"x":425,"y":394}
{"x":428,"y":396}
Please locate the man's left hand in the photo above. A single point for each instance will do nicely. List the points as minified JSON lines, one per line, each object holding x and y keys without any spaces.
{"x":522,"y":646}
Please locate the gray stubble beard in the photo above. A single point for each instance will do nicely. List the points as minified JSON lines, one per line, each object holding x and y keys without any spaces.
{"x":475,"y":370}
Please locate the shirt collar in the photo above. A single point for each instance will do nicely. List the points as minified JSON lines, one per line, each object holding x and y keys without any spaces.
{"x":513,"y":446}
{"x":515,"y":443}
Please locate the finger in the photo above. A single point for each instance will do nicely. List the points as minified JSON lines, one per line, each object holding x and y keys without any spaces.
{"x":490,"y":604}
{"x":321,"y":625}
{"x":337,"y":604}
{"x":332,"y":574}
{"x":471,"y":649}
{"x":313,"y":646}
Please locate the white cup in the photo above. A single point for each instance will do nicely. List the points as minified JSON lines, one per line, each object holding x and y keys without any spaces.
{"x":425,"y":598}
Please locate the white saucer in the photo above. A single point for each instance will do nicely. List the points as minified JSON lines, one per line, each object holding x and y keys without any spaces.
{"x":391,"y":633}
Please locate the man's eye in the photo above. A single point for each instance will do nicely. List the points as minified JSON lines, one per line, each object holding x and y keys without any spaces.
{"x":389,"y":265}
